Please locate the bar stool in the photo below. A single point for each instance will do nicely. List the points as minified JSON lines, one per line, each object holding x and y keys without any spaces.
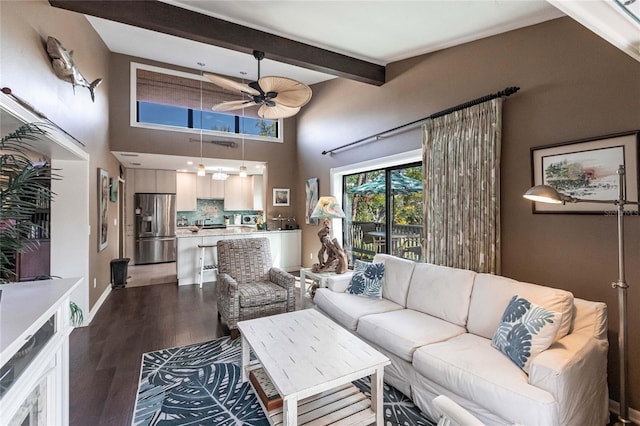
{"x":203,"y":267}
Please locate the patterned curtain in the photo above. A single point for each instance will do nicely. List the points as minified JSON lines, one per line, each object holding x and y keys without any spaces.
{"x":461,"y":177}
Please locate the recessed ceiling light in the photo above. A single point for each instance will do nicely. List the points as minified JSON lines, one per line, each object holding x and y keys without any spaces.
{"x":189,"y":163}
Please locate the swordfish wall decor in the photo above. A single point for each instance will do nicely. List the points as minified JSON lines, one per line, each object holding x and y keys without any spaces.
{"x":66,"y":69}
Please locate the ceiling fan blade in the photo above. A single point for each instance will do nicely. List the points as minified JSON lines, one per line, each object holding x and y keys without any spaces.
{"x":291,"y":93}
{"x":232,"y":85}
{"x":277,"y":111}
{"x":232,"y":105}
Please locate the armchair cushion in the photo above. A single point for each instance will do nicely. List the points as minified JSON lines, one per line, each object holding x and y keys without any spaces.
{"x":260,"y":293}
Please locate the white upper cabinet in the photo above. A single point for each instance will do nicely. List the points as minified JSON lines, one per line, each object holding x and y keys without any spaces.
{"x":166,"y":181}
{"x":238,"y":193}
{"x":154,"y":181}
{"x":209,"y":188}
{"x":186,"y":192}
{"x":203,"y":186}
{"x":258,"y":192}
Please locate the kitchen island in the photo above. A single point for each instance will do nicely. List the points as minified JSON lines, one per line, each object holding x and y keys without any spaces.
{"x":285,"y":249}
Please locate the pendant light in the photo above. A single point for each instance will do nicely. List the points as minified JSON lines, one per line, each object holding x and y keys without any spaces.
{"x":201,"y":169}
{"x":243,"y":168}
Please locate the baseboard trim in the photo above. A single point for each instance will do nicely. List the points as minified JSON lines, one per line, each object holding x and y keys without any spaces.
{"x":634,"y":415}
{"x":96,"y":307}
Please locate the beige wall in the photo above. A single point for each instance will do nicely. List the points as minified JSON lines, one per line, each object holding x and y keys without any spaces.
{"x":26,"y":69}
{"x":280,"y":157}
{"x":573,"y":85}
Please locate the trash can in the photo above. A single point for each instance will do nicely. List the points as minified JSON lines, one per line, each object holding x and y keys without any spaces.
{"x":119,"y":269}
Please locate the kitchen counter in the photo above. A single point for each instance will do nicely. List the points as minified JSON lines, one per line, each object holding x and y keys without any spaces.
{"x":231,"y":230}
{"x":286,"y":251}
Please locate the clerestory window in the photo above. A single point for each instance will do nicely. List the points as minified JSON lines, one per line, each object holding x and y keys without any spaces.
{"x":171,"y":100}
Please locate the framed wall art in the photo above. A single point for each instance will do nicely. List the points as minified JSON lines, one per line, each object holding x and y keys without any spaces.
{"x":281,"y":197}
{"x":103,"y":209}
{"x":587,"y":169}
{"x":311,"y":189}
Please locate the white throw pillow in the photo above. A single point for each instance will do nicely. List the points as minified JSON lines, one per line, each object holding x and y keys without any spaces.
{"x":367,"y":279}
{"x":526,"y":330}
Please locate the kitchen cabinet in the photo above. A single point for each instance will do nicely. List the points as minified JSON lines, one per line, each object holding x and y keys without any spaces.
{"x":217,"y":189}
{"x":165,"y":181}
{"x":258,"y":192}
{"x":291,"y":250}
{"x":154,"y":181}
{"x":240,"y":193}
{"x":209,"y":188}
{"x":186,"y":195}
{"x":144,"y":180}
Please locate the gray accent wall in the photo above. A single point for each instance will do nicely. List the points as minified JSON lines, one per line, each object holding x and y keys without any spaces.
{"x":574,"y":85}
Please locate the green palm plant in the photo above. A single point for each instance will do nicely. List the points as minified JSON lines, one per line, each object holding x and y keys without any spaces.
{"x":24,"y":187}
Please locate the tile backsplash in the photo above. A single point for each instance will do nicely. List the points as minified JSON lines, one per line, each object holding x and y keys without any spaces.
{"x":209,"y":209}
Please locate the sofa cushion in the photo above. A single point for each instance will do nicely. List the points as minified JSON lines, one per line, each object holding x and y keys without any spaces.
{"x":441,"y":291}
{"x":401,"y":332}
{"x":491,"y":295}
{"x":526,"y":330}
{"x":468,"y":366}
{"x":261,"y":293}
{"x":367,"y":279}
{"x":346,"y":309}
{"x":397,"y":275}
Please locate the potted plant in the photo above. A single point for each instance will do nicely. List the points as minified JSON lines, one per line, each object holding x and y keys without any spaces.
{"x":24,"y":185}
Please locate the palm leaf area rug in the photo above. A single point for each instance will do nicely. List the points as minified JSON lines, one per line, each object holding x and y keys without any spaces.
{"x":200,"y":385}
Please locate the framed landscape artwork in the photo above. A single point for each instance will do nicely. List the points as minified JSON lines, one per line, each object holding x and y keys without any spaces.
{"x":281,"y":197}
{"x":587,"y":169}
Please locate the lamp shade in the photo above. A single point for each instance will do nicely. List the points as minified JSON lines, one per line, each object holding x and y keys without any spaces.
{"x":327,"y":208}
{"x":545,"y":194}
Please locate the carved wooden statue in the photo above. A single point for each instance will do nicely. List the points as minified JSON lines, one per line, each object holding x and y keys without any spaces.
{"x":337,"y":259}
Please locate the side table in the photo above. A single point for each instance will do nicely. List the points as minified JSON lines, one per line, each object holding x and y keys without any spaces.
{"x":320,"y":277}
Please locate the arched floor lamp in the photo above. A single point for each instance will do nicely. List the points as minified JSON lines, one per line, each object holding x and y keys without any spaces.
{"x":547,"y":194}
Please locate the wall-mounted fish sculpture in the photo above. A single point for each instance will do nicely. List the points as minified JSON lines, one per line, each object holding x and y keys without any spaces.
{"x":65,"y":68}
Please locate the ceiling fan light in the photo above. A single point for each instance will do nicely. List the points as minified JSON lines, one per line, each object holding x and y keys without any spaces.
{"x":243,"y":171}
{"x":201,"y":170}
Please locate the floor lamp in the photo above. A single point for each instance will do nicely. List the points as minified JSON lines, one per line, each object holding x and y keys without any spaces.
{"x":547,"y":194}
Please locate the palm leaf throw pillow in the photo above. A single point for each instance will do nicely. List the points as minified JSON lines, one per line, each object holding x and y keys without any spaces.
{"x":526,"y":330}
{"x":366,"y":279}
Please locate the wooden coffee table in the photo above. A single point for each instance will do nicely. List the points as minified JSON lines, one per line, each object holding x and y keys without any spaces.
{"x":312,"y":361}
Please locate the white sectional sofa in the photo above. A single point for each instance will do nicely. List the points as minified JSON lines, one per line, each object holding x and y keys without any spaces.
{"x":436,"y":323}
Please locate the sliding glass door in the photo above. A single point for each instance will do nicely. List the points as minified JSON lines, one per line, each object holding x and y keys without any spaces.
{"x":384,"y":212}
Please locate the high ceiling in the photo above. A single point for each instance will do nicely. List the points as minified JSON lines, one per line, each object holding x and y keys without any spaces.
{"x":310,"y":41}
{"x":378,"y":32}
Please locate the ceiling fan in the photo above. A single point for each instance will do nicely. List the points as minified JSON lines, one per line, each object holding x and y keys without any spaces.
{"x":278,"y":97}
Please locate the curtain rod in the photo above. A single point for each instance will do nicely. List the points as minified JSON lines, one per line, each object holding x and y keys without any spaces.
{"x":7,"y":91}
{"x":501,"y":94}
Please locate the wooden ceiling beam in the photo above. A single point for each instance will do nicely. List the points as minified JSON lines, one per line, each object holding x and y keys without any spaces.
{"x":168,"y":19}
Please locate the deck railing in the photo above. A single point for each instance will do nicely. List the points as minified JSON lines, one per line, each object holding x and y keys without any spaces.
{"x":365,"y":239}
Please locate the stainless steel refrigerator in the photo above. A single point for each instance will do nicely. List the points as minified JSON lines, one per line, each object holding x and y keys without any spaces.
{"x":155,"y":228}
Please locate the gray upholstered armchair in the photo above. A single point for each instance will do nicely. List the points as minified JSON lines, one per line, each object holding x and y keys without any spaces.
{"x":248,"y":286}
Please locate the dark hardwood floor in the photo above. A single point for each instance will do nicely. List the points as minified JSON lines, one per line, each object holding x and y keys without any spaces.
{"x":105,"y":357}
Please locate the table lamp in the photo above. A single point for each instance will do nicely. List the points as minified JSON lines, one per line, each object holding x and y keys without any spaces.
{"x":548,"y":194}
{"x":337,"y":259}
